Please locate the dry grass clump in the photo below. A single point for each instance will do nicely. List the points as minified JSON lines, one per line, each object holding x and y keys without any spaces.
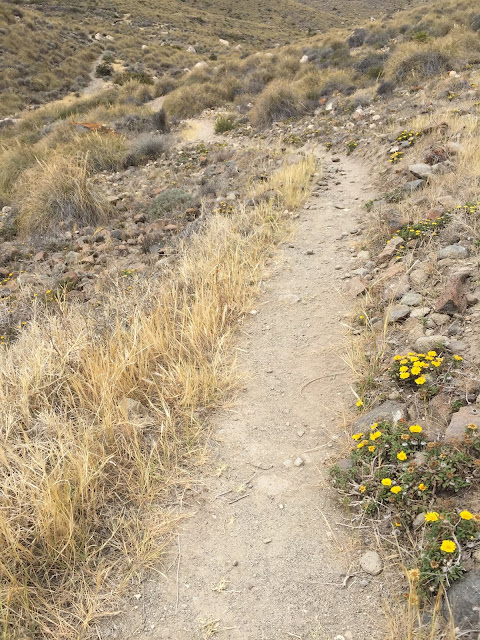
{"x":278,"y":101}
{"x":57,"y":190}
{"x":103,"y":152}
{"x":190,"y":100}
{"x":13,"y":162}
{"x":101,"y":411}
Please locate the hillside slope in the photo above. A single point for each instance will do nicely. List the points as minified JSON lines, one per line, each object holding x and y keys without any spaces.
{"x":47,"y":47}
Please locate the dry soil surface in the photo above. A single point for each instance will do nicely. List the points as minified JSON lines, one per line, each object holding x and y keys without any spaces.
{"x":267,"y":551}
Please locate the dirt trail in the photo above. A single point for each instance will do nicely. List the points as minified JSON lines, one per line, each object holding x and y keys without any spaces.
{"x":268,"y":564}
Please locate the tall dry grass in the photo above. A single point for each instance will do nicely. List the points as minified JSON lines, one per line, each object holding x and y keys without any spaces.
{"x":101,"y":412}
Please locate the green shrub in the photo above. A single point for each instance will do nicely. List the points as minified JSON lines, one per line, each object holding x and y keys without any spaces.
{"x":225,"y":123}
{"x":169,"y":201}
{"x":104,"y":70}
{"x":278,"y":101}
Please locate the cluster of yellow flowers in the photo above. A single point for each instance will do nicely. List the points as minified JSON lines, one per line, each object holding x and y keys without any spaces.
{"x":413,"y":366}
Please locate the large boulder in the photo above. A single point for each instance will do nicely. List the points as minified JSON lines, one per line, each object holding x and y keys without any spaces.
{"x":389,"y":410}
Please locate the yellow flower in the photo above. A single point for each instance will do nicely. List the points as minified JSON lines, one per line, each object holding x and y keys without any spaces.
{"x":416,"y":371}
{"x":431,"y":516}
{"x":402,"y":369}
{"x":422,"y":487}
{"x":402,"y":455}
{"x":472,"y":427}
{"x":396,"y":489}
{"x":357,"y":436}
{"x":448,"y":546}
{"x":374,"y":425}
{"x":413,"y":359}
{"x":371,"y":448}
{"x":387,"y":482}
{"x":359,"y":403}
{"x":416,"y":428}
{"x":404,"y":361}
{"x":397,"y":357}
{"x":404,"y":376}
{"x":414,"y":574}
{"x":430,"y":358}
{"x":420,"y":380}
{"x":362,"y":444}
{"x":458,"y":358}
{"x":436,"y":363}
{"x":362,"y":488}
{"x":375,"y":435}
{"x":466,"y":515}
{"x":398,"y":524}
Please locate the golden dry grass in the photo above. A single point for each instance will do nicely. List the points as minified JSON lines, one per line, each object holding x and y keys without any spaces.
{"x":56,"y":190}
{"x":86,"y":472}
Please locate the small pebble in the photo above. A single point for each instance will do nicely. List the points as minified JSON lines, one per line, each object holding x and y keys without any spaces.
{"x":267,"y":540}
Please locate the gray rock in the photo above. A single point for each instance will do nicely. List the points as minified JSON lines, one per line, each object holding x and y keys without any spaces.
{"x":457,"y":346}
{"x":459,"y":421}
{"x":411,"y":299}
{"x":419,"y":520}
{"x":440,"y":318}
{"x":464,"y":600}
{"x":418,"y":277}
{"x":389,"y":410}
{"x":371,"y":563}
{"x":420,"y":170}
{"x":428,"y":343}
{"x":414,"y":185}
{"x":398,"y":312}
{"x":453,"y":251}
{"x":420,"y":312}
{"x":396,"y":288}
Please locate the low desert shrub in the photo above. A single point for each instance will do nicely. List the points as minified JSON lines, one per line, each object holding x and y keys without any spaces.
{"x":357,"y":38}
{"x":13,"y":163}
{"x":57,"y":190}
{"x":104,"y":70}
{"x":420,"y":64}
{"x":147,"y":146}
{"x":169,"y":201}
{"x":137,"y":76}
{"x":224,"y":123}
{"x":278,"y":101}
{"x":189,"y":101}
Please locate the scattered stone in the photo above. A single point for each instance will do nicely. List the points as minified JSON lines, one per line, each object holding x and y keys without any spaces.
{"x":419,"y":520}
{"x":356,"y":286}
{"x":440,"y":319}
{"x":389,"y":410}
{"x":453,"y":251}
{"x":418,"y":277}
{"x":459,"y":421}
{"x":371,"y":563}
{"x":267,"y":540}
{"x":411,"y":299}
{"x":309,"y":252}
{"x":397,"y":288}
{"x":420,"y":312}
{"x":453,"y":299}
{"x":390,"y":250}
{"x":420,"y":170}
{"x":463,"y":599}
{"x":299,"y":462}
{"x":429,"y":343}
{"x":398,"y":312}
{"x":414,"y":185}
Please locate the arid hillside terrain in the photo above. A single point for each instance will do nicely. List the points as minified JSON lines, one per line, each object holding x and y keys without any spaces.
{"x":239,"y":321}
{"x":47,"y":48}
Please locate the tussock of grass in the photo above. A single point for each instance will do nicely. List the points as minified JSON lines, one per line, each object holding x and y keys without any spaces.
{"x":278,"y":101}
{"x":83,"y":470}
{"x":57,"y":190}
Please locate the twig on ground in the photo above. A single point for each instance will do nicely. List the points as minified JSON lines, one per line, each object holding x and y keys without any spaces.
{"x":239,"y":498}
{"x":178,"y":574}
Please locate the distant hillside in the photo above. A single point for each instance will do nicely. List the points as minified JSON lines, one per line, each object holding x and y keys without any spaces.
{"x":47,"y":48}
